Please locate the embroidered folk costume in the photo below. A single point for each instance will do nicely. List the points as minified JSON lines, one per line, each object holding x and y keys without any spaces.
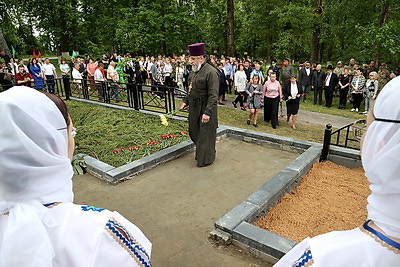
{"x":39,"y":224}
{"x":377,"y":241}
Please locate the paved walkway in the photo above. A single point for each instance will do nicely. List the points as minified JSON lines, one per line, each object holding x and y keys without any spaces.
{"x":176,"y":203}
{"x":309,"y":116}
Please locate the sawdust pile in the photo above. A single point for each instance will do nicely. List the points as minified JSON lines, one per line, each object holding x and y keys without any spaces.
{"x":330,"y":197}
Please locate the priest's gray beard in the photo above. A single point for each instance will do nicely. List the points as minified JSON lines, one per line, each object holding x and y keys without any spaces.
{"x":196,"y":68}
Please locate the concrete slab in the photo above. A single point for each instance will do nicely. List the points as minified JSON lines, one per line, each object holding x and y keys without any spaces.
{"x":177,"y":203}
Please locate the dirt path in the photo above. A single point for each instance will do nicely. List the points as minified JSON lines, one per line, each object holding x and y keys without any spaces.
{"x":306,"y":116}
{"x":177,"y":203}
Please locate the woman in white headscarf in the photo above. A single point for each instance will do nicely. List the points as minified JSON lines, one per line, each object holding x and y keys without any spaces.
{"x":39,"y":224}
{"x":377,"y":241}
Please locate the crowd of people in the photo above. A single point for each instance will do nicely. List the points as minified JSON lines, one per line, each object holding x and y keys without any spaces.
{"x":278,"y":84}
{"x":349,"y":82}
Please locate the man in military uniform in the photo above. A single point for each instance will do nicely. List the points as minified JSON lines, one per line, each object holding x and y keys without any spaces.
{"x":286,"y":72}
{"x":202,"y":101}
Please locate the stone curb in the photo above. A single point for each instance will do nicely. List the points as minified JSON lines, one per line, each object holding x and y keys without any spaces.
{"x":349,"y":158}
{"x":265,"y":241}
{"x":269,"y":193}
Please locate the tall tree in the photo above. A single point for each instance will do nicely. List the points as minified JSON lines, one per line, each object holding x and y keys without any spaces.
{"x":316,"y":39}
{"x":230,"y":24}
{"x":384,"y":11}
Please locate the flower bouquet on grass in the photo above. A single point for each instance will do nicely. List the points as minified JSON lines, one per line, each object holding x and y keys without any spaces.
{"x":132,"y":153}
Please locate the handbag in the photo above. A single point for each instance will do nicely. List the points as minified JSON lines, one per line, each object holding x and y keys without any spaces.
{"x":7,"y":76}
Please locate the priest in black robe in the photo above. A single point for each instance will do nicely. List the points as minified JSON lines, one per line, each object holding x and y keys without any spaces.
{"x":202,"y":103}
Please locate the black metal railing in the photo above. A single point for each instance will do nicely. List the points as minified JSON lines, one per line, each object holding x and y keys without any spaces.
{"x":158,"y":98}
{"x":343,"y":137}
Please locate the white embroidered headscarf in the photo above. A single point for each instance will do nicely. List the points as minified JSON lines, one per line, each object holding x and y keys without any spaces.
{"x":34,"y":170}
{"x":381,"y":160}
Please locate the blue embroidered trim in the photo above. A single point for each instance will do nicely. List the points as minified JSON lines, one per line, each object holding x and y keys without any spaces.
{"x":381,"y":236}
{"x":49,"y":204}
{"x":129,"y":242}
{"x":88,"y":208}
{"x":305,"y":259}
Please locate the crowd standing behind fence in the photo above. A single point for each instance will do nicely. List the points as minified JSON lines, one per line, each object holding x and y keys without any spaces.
{"x":354,"y":80}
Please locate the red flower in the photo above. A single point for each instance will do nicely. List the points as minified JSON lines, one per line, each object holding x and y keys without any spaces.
{"x":151,"y":143}
{"x":182,"y":133}
{"x":122,"y":149}
{"x":115,"y":152}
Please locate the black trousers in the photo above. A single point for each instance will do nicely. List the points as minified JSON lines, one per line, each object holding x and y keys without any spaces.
{"x":271,"y":107}
{"x":343,"y":97}
{"x":240,"y":98}
{"x":50,"y":83}
{"x":318,"y":95}
{"x":67,"y":88}
{"x":229,"y":89}
{"x":328,"y":96}
{"x":357,"y":99}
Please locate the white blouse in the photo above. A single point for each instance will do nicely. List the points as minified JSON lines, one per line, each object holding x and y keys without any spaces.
{"x":240,"y":80}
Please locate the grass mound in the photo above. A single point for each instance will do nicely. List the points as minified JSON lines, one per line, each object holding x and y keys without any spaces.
{"x":102,"y":131}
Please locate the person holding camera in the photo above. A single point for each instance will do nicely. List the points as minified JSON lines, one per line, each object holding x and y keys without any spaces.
{"x":6,"y":77}
{"x":371,"y":90}
{"x":23,"y":77}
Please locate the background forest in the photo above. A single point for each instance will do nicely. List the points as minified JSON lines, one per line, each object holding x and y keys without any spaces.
{"x":320,"y":30}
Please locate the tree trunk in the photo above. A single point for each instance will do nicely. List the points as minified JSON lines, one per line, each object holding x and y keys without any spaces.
{"x":75,"y":45}
{"x":230,"y":41}
{"x":381,"y":22}
{"x":64,"y":31}
{"x":3,"y":44}
{"x":268,"y":44}
{"x":316,"y":40}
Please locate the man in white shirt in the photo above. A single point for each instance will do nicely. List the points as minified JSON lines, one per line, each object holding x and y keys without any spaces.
{"x":21,"y":62}
{"x":77,"y":76}
{"x":305,"y":78}
{"x":331,"y":80}
{"x":99,"y":80}
{"x":49,"y":74}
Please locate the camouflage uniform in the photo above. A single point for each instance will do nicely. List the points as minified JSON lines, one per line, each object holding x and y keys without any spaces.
{"x":384,"y":77}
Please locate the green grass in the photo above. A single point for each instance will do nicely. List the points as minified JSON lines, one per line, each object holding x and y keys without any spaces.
{"x":321,"y":109}
{"x":102,"y":130}
{"x":304,"y":131}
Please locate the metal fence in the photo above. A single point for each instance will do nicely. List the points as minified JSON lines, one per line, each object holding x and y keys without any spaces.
{"x":343,"y":137}
{"x":158,"y":98}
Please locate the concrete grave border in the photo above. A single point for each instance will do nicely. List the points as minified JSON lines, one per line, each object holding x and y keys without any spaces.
{"x":114,"y":175}
{"x":235,"y":226}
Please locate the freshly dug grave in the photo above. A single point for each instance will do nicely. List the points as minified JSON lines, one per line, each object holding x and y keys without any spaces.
{"x":330,"y":197}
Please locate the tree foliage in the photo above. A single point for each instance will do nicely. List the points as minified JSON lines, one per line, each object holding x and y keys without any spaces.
{"x":263,"y":28}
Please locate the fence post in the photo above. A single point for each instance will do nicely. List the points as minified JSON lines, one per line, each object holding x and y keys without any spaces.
{"x":67,"y":89}
{"x":327,"y":141}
